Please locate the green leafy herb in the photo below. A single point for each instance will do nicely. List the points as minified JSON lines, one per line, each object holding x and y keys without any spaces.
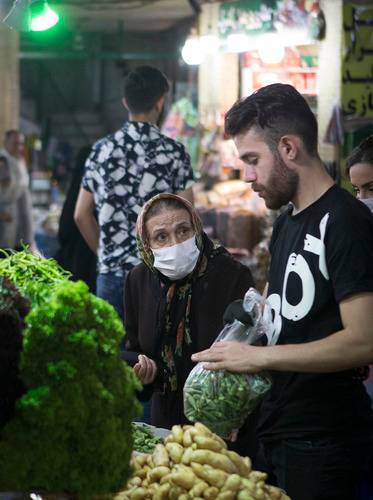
{"x":34,"y":276}
{"x":72,"y":429}
{"x":144,"y":440}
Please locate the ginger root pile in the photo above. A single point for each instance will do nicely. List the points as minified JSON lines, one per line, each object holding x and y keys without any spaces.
{"x":194,"y":463}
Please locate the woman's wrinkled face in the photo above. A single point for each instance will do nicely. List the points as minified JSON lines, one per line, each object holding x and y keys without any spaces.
{"x":169,"y":228}
{"x":361,"y":176}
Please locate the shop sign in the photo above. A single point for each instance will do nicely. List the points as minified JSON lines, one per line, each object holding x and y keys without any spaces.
{"x":255,"y":16}
{"x":246,"y":16}
{"x":294,"y":70}
{"x":357,"y":62}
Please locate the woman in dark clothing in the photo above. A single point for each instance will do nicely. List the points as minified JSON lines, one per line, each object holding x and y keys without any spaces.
{"x":74,"y":255}
{"x":175,"y":300}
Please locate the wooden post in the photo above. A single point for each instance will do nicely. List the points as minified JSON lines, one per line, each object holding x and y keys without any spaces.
{"x":9,"y":80}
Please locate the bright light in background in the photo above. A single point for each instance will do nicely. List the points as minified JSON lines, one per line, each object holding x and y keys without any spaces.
{"x":192,"y":52}
{"x":209,"y":43}
{"x":238,"y":42}
{"x":295,"y":36}
{"x":270,"y":48}
{"x":42,"y":16}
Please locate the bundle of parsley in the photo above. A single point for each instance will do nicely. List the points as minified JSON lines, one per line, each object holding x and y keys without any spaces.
{"x":72,"y":428}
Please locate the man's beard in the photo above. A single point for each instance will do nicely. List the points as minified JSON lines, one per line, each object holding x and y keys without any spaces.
{"x":281,"y":187}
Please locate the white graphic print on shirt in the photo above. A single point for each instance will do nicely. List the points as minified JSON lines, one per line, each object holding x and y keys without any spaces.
{"x":280,"y":307}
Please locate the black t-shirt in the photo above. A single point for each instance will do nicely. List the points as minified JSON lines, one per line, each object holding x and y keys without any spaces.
{"x":320,"y":256}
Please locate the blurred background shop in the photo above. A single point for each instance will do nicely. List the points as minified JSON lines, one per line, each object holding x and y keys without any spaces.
{"x":61,"y":85}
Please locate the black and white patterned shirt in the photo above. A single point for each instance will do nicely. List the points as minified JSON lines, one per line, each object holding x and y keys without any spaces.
{"x":123,"y":171}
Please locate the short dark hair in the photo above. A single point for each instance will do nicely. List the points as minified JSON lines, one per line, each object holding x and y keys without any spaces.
{"x":275,"y":110}
{"x":363,"y":153}
{"x":143,"y":87}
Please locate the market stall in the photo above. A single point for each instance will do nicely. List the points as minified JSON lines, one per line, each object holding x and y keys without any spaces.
{"x":68,"y":431}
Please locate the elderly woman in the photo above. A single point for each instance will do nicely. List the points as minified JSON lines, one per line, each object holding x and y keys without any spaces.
{"x":175,"y":300}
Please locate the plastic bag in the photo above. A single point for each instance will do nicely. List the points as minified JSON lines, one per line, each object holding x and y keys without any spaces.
{"x":221,"y":399}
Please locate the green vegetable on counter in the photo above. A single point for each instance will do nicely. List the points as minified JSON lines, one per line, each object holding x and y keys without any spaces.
{"x":144,"y":440}
{"x":221,"y":399}
{"x":34,"y":276}
{"x":72,"y":428}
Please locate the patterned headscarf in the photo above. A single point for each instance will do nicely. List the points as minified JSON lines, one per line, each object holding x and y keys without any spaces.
{"x":174,"y":325}
{"x":142,"y":236}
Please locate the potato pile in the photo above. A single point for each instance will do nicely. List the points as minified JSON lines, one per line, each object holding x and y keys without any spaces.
{"x":195,"y":463}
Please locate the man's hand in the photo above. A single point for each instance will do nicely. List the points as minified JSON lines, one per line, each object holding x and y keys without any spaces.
{"x":145,"y":369}
{"x":233,"y":356}
{"x":345,"y":349}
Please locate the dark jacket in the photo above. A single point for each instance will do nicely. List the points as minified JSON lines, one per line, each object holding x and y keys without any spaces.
{"x":74,"y":254}
{"x":225,"y":280}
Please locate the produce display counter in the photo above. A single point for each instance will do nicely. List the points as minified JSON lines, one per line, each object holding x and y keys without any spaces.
{"x":193,"y":462}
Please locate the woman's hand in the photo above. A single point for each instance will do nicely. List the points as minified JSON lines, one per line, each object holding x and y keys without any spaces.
{"x":145,"y":369}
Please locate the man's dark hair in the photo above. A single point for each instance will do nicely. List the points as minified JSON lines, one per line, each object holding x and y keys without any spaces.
{"x":143,"y":87}
{"x":363,"y":153}
{"x":274,"y":110}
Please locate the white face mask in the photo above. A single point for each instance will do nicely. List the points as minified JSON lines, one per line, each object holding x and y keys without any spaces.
{"x":177,"y":261}
{"x":368,"y":202}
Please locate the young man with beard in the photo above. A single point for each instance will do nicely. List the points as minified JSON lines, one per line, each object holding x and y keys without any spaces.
{"x":316,"y":424}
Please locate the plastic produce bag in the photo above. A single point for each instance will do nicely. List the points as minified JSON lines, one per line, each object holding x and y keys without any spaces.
{"x":222,"y":399}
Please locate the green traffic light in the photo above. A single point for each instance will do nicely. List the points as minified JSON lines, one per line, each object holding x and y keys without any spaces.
{"x":42,"y":16}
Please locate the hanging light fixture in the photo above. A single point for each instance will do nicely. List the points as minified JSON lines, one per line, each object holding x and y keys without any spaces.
{"x":237,"y":42}
{"x":209,"y":43}
{"x":192,"y":52}
{"x":42,"y":16}
{"x":270,"y":47}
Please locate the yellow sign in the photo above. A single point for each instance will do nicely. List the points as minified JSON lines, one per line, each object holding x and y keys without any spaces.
{"x":357,"y":61}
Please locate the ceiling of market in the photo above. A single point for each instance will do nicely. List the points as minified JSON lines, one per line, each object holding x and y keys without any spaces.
{"x":131,"y":15}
